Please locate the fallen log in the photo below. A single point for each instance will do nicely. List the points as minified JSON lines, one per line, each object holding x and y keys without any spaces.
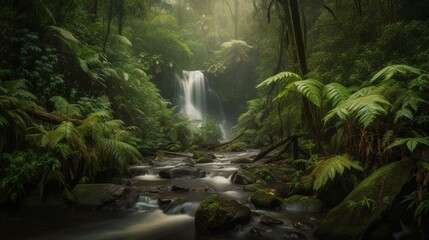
{"x":270,"y":148}
{"x":53,"y":118}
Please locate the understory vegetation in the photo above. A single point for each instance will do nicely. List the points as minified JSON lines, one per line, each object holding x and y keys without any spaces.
{"x":88,"y":86}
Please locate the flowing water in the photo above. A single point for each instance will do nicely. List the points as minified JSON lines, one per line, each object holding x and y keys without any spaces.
{"x":150,"y":218}
{"x":198,"y":101}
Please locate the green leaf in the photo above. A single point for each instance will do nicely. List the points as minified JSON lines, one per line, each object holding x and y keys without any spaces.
{"x":283,"y":77}
{"x":311,"y":89}
{"x":411,"y":145}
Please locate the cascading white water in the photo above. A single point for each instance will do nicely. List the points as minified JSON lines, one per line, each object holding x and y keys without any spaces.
{"x":198,"y":101}
{"x":194,"y":94}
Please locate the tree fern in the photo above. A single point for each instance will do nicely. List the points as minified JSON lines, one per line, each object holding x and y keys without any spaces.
{"x":234,"y":51}
{"x":328,"y":169}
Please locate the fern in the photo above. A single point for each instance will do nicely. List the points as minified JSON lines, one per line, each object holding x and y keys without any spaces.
{"x":390,"y":71}
{"x":336,"y":93}
{"x":311,"y":89}
{"x":234,"y":51}
{"x":411,"y":143}
{"x":330,"y":168}
{"x":283,"y":77}
{"x":65,"y":108}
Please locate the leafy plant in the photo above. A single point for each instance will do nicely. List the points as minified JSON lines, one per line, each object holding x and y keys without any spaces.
{"x":328,"y":169}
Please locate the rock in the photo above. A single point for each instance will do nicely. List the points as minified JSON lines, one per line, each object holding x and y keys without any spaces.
{"x":138,"y":171}
{"x":188,"y":162}
{"x":266,"y":220}
{"x":300,"y":203}
{"x":182,"y":172}
{"x":294,"y":235}
{"x":243,"y":160}
{"x":263,"y":199}
{"x":216,"y":214}
{"x":257,"y":231}
{"x":166,"y":203}
{"x":303,"y":226}
{"x":345,"y":222}
{"x":199,"y":155}
{"x":204,"y":160}
{"x":242,"y":177}
{"x":263,"y":174}
{"x":175,"y":188}
{"x":97,"y":196}
{"x":153,"y":163}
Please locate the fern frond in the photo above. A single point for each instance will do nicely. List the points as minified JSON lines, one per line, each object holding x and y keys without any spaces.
{"x":65,"y":34}
{"x":121,"y":40}
{"x":65,"y":108}
{"x":328,"y":169}
{"x":284,"y":77}
{"x":411,"y":143}
{"x":336,"y":93}
{"x":392,"y":70}
{"x":120,"y":151}
{"x":311,"y":89}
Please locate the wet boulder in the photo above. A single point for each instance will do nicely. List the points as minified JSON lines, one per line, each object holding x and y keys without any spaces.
{"x":138,"y":171}
{"x":182,"y":172}
{"x":104,"y":196}
{"x":305,"y":204}
{"x":242,"y":177}
{"x":263,"y":199}
{"x":201,"y":155}
{"x":204,"y":160}
{"x":380,"y":189}
{"x":216,"y":214}
{"x":267,"y":220}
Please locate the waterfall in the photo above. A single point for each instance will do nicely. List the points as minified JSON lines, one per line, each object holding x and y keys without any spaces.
{"x":198,"y":101}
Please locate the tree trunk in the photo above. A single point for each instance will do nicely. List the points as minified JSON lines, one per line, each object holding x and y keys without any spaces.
{"x":298,"y":35}
{"x":121,"y":16}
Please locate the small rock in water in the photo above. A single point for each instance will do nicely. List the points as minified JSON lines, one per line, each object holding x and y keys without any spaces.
{"x":303,"y":226}
{"x":270,"y":221}
{"x":166,"y":203}
{"x":242,"y":178}
{"x":175,"y":188}
{"x":138,"y":171}
{"x":294,"y":235}
{"x":257,"y":231}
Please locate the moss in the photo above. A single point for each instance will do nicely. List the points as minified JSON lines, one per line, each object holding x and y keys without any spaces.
{"x":197,"y":155}
{"x":243,"y":160}
{"x":263,"y":199}
{"x":344,"y":222}
{"x":304,"y":200}
{"x":264,"y":174}
{"x":209,"y":207}
{"x":204,"y":160}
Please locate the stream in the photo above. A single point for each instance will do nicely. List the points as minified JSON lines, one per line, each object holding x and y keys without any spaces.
{"x":150,"y":218}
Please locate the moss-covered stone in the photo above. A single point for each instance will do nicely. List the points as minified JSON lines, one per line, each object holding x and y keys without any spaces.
{"x":264,"y":174}
{"x":242,"y":177}
{"x":96,"y":196}
{"x":300,"y":203}
{"x":243,"y":160}
{"x":263,"y":199}
{"x":217,"y":214}
{"x":204,"y":160}
{"x":345,"y":222}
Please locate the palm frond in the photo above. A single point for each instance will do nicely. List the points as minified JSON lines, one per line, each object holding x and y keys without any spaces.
{"x":411,"y":143}
{"x":330,"y":168}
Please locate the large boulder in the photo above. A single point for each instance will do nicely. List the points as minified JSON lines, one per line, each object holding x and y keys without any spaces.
{"x":217,"y":214}
{"x":263,"y":199}
{"x":300,"y":203}
{"x":242,"y":177}
{"x":182,"y":172}
{"x":104,"y":196}
{"x":366,"y":204}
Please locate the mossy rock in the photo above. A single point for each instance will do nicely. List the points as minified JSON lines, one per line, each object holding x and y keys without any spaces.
{"x":300,"y":203}
{"x":204,"y":160}
{"x":235,"y":147}
{"x":243,"y":160}
{"x":98,"y":196}
{"x":345,"y":222}
{"x":242,"y":177}
{"x":263,"y":199}
{"x":217,"y":214}
{"x":200,"y":155}
{"x":263,"y":174}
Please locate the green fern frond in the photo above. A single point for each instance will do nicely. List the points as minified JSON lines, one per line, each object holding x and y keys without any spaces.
{"x":388,"y":72}
{"x":65,"y":108}
{"x":336,"y":93}
{"x":328,"y":169}
{"x":121,"y":40}
{"x":411,"y":143}
{"x":311,"y":89}
{"x":283,"y":77}
{"x":120,"y":151}
{"x":65,"y":34}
